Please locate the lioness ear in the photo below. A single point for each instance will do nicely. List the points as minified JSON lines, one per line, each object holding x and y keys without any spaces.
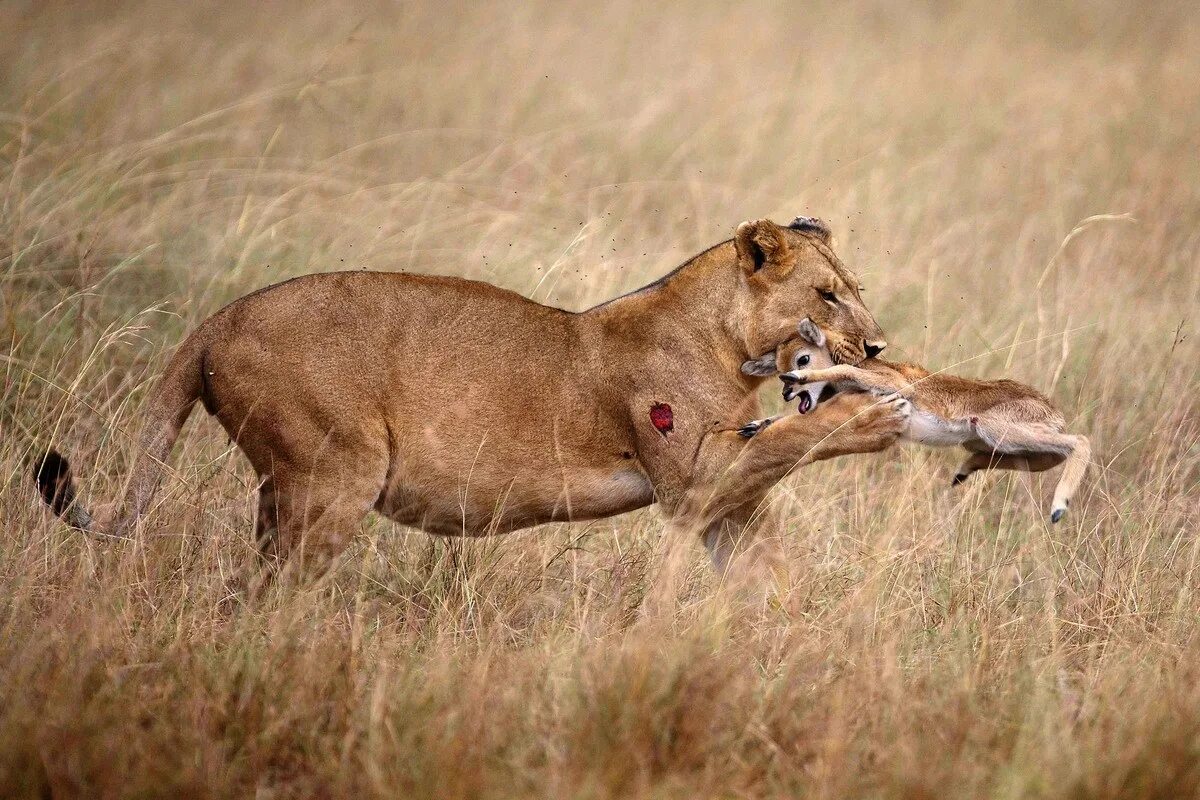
{"x":762,"y":244}
{"x":763,"y":366}
{"x":817,"y":227}
{"x":811,"y":333}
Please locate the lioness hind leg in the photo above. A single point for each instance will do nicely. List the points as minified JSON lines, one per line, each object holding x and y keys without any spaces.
{"x":267,"y":521}
{"x":306,"y":519}
{"x":314,"y":525}
{"x":266,"y":528}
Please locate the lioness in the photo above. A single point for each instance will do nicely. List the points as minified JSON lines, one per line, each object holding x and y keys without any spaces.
{"x":1004,"y":424}
{"x":445,"y":403}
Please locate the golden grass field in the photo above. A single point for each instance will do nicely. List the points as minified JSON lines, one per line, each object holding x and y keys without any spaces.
{"x":1018,"y":185}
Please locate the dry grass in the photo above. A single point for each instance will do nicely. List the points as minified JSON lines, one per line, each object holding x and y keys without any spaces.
{"x":156,"y":162}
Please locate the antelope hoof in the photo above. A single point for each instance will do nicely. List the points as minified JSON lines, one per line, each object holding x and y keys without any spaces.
{"x":752,"y":427}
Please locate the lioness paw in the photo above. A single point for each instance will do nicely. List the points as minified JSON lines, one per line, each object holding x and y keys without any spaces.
{"x":898,"y":405}
{"x":895,"y":412}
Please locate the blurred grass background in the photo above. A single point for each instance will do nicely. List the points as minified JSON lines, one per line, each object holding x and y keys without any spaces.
{"x":1017,"y":185}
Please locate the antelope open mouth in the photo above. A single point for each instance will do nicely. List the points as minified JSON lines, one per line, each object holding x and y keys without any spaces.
{"x":806,"y":403}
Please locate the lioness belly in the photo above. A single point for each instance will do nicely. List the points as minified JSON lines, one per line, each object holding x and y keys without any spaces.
{"x":457,"y":506}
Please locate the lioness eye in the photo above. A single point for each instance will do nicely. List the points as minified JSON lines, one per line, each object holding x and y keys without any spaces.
{"x":802,"y":361}
{"x":827,"y":296}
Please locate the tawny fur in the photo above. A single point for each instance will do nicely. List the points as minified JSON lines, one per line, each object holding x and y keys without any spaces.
{"x":1004,"y":424}
{"x":464,"y":409}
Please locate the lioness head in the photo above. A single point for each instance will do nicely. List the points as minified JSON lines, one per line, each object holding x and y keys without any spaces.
{"x":808,"y":350}
{"x":791,"y":273}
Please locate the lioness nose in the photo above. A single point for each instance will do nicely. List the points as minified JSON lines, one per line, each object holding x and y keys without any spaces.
{"x":873,"y":349}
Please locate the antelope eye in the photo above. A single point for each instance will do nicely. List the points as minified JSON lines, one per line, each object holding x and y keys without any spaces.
{"x":802,"y":361}
{"x":827,"y":296}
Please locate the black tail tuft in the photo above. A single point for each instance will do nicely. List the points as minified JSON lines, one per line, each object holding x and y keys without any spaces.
{"x":53,"y":475}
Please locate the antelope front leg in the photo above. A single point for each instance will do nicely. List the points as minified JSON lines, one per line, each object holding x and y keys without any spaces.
{"x":756,"y":426}
{"x":851,"y":377}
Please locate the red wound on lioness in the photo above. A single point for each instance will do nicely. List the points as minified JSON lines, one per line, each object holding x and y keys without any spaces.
{"x":662,"y":418}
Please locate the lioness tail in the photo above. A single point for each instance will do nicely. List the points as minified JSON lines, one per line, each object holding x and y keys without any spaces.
{"x":165,"y":413}
{"x":52,"y":473}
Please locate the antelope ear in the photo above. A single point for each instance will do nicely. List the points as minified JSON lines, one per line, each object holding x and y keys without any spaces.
{"x":763,"y":366}
{"x":811,"y":333}
{"x":762,"y":247}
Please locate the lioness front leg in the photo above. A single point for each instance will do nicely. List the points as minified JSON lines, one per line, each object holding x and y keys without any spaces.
{"x":723,"y":505}
{"x":742,"y":543}
{"x":729,"y":470}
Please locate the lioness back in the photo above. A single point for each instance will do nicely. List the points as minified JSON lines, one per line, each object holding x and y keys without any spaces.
{"x":420,"y":382}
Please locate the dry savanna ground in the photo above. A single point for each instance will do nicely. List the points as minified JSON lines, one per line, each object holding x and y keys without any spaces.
{"x":1018,"y":185}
